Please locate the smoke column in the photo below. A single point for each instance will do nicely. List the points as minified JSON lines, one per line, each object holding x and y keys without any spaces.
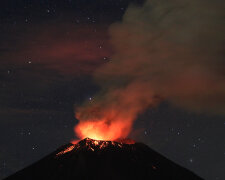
{"x":164,"y":50}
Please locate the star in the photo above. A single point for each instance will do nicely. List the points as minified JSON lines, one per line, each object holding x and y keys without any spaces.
{"x":191,"y":160}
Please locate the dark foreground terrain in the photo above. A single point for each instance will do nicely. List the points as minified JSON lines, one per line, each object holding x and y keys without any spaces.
{"x":104,"y":160}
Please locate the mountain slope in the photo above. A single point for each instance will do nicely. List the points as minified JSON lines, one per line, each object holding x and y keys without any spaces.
{"x":93,"y":159}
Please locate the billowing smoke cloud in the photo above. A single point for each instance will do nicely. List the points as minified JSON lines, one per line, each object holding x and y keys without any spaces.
{"x":172,"y":50}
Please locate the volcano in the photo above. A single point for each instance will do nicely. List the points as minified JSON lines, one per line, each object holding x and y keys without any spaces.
{"x":104,"y":160}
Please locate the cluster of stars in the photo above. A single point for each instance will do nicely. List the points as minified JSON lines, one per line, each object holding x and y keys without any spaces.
{"x":53,"y":10}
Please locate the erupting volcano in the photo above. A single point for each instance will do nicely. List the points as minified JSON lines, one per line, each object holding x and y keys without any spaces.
{"x":102,"y":124}
{"x":96,"y":159}
{"x":102,"y":130}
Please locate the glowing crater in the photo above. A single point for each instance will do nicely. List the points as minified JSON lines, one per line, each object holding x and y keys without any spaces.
{"x":93,"y":145}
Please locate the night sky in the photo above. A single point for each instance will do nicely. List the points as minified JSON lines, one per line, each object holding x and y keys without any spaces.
{"x":48,"y":53}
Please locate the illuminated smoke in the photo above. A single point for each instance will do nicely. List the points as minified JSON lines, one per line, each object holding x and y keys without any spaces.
{"x":172,"y":50}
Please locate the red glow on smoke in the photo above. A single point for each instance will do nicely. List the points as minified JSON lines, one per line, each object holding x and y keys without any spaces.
{"x":105,"y":128}
{"x":100,"y":130}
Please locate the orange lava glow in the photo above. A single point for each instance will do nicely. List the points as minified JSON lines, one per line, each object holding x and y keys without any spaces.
{"x":102,"y":124}
{"x":110,"y":117}
{"x":70,"y":148}
{"x":102,"y":130}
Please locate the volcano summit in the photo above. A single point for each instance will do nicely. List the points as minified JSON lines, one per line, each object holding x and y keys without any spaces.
{"x":104,"y":160}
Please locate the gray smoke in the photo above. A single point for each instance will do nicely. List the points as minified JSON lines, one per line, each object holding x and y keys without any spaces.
{"x":174,"y":49}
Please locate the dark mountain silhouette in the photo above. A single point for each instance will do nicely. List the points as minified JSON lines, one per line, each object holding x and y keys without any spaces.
{"x":104,"y":160}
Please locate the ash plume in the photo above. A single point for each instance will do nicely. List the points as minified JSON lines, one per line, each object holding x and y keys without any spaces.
{"x":164,"y":50}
